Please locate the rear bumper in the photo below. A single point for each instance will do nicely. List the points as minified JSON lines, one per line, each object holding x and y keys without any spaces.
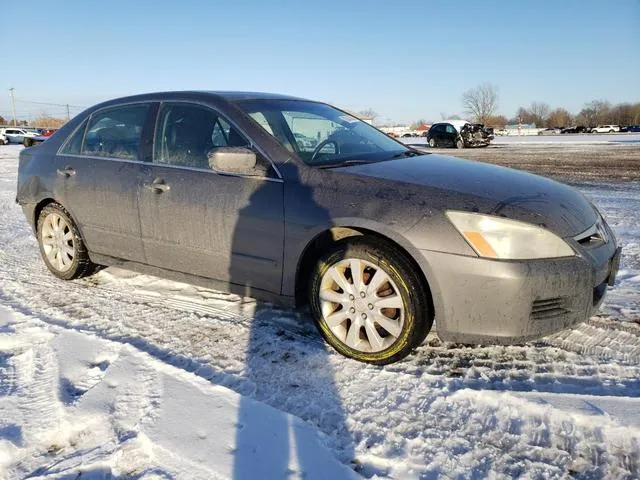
{"x":487,"y":301}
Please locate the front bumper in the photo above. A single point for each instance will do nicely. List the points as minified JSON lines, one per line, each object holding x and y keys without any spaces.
{"x":487,"y":301}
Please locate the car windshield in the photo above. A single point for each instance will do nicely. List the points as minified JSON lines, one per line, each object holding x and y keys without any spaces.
{"x":321,"y":135}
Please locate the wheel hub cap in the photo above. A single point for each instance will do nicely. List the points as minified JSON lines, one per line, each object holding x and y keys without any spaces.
{"x":361,"y":305}
{"x":58,"y":242}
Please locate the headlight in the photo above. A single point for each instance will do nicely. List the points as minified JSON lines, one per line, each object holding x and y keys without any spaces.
{"x":496,"y":237}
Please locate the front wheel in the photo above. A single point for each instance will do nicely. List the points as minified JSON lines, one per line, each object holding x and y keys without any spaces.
{"x":368,"y":302}
{"x":61,"y":246}
{"x":432,"y":142}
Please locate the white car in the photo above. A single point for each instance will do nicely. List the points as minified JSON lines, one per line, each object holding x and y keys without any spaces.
{"x":16,"y":135}
{"x":606,"y":129}
{"x":3,"y":139}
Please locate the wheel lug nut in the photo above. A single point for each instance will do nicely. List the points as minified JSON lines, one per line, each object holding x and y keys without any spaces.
{"x":370,"y":306}
{"x":351,"y":297}
{"x":364,"y":316}
{"x":352,"y":310}
{"x":362,"y":294}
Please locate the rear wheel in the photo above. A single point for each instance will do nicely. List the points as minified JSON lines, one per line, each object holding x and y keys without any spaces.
{"x":61,"y":246}
{"x":368,"y":302}
{"x":459,"y":143}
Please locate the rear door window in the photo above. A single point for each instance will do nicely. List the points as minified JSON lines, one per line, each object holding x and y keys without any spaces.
{"x":116,"y":132}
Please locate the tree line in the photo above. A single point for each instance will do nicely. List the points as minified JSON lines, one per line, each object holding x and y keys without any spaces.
{"x":44,"y":121}
{"x":481,"y":103}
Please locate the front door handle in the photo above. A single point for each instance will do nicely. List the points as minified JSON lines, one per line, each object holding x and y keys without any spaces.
{"x":66,"y":172}
{"x":158,"y":186}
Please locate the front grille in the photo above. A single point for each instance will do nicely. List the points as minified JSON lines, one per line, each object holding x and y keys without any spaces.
{"x":548,"y":308}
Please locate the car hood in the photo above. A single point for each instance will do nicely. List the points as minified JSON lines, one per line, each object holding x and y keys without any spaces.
{"x":453,"y":183}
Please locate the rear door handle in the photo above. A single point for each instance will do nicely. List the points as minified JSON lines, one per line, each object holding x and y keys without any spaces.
{"x":66,"y":172}
{"x":157,"y":186}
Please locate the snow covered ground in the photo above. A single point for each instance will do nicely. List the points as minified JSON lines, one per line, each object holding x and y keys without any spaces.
{"x":584,"y":139}
{"x":131,"y":376}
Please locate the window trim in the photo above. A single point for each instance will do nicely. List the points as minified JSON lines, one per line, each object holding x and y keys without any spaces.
{"x":87,"y":121}
{"x":83,"y":124}
{"x":232,"y":123}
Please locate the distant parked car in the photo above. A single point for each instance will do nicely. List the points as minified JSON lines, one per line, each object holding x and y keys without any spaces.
{"x":550,"y":131}
{"x":624,"y":128}
{"x":305,"y":143}
{"x":458,"y":134}
{"x":17,"y":135}
{"x":48,"y":132}
{"x":3,"y":139}
{"x":633,"y":128}
{"x":575,"y":129}
{"x":605,"y":129}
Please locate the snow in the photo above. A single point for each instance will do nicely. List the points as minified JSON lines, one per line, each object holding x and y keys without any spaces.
{"x":583,"y":139}
{"x":128,"y":375}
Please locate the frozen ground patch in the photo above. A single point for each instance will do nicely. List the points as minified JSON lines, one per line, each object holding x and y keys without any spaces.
{"x":584,"y":139}
{"x":123,"y":374}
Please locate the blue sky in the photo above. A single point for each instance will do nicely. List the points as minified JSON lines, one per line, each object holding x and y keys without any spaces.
{"x":406,"y":60}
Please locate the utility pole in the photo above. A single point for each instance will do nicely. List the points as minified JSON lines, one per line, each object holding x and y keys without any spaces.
{"x":13,"y":105}
{"x":67,"y":112}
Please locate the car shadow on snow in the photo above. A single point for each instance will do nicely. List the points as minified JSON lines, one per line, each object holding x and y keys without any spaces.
{"x":276,"y":364}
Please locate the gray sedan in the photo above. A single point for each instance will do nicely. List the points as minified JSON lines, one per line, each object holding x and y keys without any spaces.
{"x":378,"y":240}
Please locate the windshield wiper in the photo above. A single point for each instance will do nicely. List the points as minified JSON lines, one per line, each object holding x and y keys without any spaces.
{"x":408,"y":153}
{"x":344,"y":163}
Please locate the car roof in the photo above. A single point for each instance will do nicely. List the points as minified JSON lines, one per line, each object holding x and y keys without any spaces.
{"x":226,"y":96}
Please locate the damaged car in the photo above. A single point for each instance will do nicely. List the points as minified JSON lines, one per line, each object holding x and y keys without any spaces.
{"x":459,"y":134}
{"x":379,"y":241}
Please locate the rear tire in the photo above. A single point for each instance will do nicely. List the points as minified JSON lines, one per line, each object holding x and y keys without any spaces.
{"x":459,"y":144}
{"x":61,"y":246}
{"x":378,"y":315}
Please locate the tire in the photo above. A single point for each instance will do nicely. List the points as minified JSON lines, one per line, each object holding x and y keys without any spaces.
{"x":406,"y":327}
{"x":612,"y":131}
{"x":432,"y":143}
{"x":27,"y":142}
{"x":78,"y":263}
{"x":459,"y":144}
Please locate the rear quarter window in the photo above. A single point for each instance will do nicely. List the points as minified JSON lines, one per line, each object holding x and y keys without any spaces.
{"x":74,"y":144}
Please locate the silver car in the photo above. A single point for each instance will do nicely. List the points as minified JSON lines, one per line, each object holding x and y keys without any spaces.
{"x":378,"y":240}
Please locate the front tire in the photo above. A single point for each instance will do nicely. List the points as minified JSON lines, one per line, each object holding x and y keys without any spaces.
{"x":432,"y":143}
{"x":368,"y":301}
{"x":61,"y":246}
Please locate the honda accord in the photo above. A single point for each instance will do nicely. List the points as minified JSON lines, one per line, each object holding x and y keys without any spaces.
{"x":379,"y":240}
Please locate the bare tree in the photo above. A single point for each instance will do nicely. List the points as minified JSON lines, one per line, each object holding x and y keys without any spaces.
{"x":539,"y":112}
{"x":481,"y":102}
{"x":47,"y":121}
{"x":559,"y":117}
{"x":496,"y":121}
{"x":368,"y":113}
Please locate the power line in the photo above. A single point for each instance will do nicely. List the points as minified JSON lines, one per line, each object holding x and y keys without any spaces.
{"x":49,"y":103}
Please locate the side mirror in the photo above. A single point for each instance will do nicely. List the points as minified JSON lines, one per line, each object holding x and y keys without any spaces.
{"x":239,"y":160}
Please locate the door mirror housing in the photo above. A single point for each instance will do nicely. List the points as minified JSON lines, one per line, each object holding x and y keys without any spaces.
{"x":239,"y":160}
